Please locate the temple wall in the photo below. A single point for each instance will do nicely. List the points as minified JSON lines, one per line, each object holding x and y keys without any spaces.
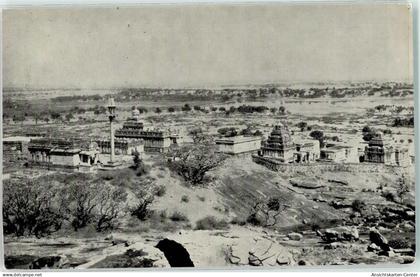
{"x":319,"y":166}
{"x":71,"y":160}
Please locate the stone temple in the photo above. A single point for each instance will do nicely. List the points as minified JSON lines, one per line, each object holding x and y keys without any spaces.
{"x":379,"y":152}
{"x":154,"y":140}
{"x":279,"y":144}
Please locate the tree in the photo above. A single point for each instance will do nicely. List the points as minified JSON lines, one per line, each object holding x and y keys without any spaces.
{"x":318,"y":135}
{"x":30,"y":208}
{"x":265,"y":213}
{"x":302,"y":125}
{"x":228,"y":131}
{"x":55,"y":115}
{"x":141,"y":209}
{"x":37,"y":117}
{"x":186,"y":108}
{"x":110,"y":200}
{"x":192,"y":162}
{"x":136,"y":160}
{"x":402,"y":188}
{"x":273,"y":110}
{"x":171,"y":109}
{"x":69,"y":117}
{"x":158,"y":110}
{"x":79,"y":201}
{"x":222,"y":109}
{"x":282,"y":110}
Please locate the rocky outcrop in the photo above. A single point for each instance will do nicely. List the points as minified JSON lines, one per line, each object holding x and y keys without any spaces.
{"x":378,"y":239}
{"x":259,"y":252}
{"x":295,"y":236}
{"x":342,"y":233}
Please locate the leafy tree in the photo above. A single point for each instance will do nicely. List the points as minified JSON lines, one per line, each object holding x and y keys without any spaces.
{"x":186,"y":108}
{"x":171,"y":109}
{"x":228,"y":131}
{"x":158,"y":110}
{"x":318,"y":135}
{"x":282,"y":110}
{"x":302,"y":125}
{"x":193,"y":161}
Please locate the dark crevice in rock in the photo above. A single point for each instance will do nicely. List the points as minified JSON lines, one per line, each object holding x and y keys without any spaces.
{"x":175,"y":253}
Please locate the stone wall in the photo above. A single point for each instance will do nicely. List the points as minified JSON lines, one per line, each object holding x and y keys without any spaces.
{"x":330,"y":166}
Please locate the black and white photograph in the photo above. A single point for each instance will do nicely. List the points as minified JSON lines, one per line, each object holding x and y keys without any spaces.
{"x":212,"y":136}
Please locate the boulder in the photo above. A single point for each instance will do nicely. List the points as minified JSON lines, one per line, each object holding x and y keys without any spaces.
{"x":295,"y":236}
{"x":335,"y":245}
{"x":388,"y":253}
{"x":373,"y":247}
{"x":407,"y":259}
{"x":306,"y":183}
{"x":409,"y":215}
{"x":405,"y":252}
{"x":342,"y":233}
{"x":378,"y":239}
{"x":258,"y":252}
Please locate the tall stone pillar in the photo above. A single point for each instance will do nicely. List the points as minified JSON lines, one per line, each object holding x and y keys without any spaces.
{"x":111,"y":109}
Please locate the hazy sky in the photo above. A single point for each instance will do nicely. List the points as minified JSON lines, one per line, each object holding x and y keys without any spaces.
{"x":175,"y":46}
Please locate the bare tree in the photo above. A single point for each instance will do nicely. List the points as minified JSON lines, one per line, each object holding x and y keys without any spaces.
{"x":80,"y":202}
{"x":266,"y":213}
{"x":145,"y":198}
{"x":193,"y":161}
{"x":109,"y":207}
{"x":30,"y":209}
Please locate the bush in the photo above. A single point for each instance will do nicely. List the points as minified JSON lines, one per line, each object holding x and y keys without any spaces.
{"x":388,"y":196}
{"x":141,"y":209}
{"x":178,"y":217}
{"x":185,"y":199}
{"x":201,"y":198}
{"x":160,"y":191}
{"x":211,"y":223}
{"x":399,"y":243}
{"x":358,"y":205}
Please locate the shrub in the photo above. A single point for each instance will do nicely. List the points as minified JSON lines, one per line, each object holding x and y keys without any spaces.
{"x":388,"y":196}
{"x":201,"y":198}
{"x":211,"y":223}
{"x":399,"y":243}
{"x":178,"y":217}
{"x":358,"y":205}
{"x":141,"y":209}
{"x":160,"y":191}
{"x":185,"y":199}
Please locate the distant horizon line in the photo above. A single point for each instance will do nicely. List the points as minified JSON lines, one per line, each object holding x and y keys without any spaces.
{"x":281,"y":83}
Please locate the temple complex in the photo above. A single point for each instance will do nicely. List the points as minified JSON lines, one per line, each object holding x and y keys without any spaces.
{"x":62,"y":153}
{"x":154,"y":140}
{"x":378,"y":152}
